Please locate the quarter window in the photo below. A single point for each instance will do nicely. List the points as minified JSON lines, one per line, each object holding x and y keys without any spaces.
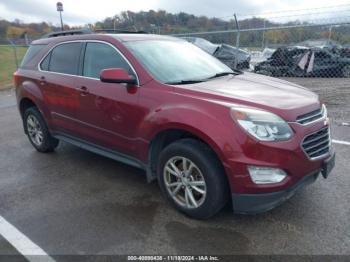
{"x":33,"y":50}
{"x":45,"y":63}
{"x":99,"y":56}
{"x":65,"y":58}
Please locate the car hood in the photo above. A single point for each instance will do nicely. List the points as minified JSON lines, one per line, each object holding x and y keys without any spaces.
{"x":259,"y":91}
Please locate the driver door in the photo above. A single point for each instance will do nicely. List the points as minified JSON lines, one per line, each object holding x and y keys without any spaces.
{"x":108,"y":111}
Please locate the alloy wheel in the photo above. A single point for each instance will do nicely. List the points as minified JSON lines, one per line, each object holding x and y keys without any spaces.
{"x":185,"y":182}
{"x":35,"y":131}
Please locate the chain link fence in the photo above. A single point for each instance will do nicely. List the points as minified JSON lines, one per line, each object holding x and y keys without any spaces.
{"x":308,"y":47}
{"x":11,"y":54}
{"x":279,"y":47}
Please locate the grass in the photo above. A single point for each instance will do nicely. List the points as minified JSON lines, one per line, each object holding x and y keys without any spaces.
{"x":8,"y":64}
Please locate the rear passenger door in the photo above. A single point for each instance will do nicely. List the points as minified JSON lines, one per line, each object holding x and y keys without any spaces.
{"x":58,"y":76}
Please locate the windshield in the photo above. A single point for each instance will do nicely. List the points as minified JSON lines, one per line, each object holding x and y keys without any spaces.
{"x":176,"y":61}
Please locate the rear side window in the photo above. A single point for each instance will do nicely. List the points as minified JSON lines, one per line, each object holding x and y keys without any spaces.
{"x":32,"y":51}
{"x":99,"y":56}
{"x":65,"y":58}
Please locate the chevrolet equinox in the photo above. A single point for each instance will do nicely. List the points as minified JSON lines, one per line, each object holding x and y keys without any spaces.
{"x":206,"y":133}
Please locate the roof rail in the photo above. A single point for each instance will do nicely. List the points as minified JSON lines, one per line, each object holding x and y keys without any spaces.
{"x":68,"y":32}
{"x":88,"y":31}
{"x":119,"y":31}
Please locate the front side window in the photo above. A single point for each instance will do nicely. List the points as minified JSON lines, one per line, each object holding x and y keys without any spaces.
{"x":65,"y":58}
{"x":99,"y":56}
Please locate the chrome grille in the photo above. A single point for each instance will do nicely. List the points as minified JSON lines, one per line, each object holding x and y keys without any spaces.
{"x":312,"y":116}
{"x":317,"y":144}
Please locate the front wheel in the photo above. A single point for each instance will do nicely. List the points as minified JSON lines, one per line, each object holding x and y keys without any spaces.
{"x":37,"y":131}
{"x":192,"y":178}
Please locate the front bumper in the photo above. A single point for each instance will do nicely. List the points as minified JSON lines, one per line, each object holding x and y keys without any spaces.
{"x":258,"y":203}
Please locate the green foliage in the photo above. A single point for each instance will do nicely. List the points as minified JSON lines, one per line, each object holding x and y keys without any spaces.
{"x":8,"y":64}
{"x":15,"y":30}
{"x":167,"y":23}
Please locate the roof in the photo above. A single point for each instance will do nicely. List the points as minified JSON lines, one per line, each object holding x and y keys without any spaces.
{"x":95,"y":36}
{"x":142,"y":37}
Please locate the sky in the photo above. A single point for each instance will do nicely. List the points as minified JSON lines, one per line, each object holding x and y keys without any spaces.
{"x":81,"y":12}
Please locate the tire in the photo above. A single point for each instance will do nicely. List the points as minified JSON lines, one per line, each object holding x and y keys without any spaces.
{"x":37,"y":131}
{"x":202,"y":165}
{"x":346,"y":71}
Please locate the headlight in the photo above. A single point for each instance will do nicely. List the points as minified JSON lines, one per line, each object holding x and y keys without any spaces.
{"x":263,"y":125}
{"x":324,"y":111}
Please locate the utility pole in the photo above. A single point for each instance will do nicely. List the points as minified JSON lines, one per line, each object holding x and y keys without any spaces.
{"x":59,"y":6}
{"x":237,"y":41}
{"x":263,"y":36}
{"x":330,"y":33}
{"x":114,"y":23}
{"x":14,"y":52}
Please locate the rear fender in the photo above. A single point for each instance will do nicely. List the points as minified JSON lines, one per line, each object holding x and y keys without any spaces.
{"x":29,"y":90}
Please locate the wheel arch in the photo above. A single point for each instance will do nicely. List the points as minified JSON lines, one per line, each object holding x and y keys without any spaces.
{"x":169,"y":135}
{"x":24,"y":104}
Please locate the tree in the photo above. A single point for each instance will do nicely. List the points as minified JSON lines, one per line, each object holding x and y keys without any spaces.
{"x":14,"y":32}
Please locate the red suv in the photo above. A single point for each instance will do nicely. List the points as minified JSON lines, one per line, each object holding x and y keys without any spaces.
{"x":208,"y":134}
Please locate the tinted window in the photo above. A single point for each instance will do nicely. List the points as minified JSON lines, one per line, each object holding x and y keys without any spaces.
{"x":99,"y":56}
{"x":45,"y":63}
{"x":32,"y":51}
{"x":65,"y":58}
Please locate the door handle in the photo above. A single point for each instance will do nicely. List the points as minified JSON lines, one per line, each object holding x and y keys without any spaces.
{"x":84,"y":91}
{"x":43,"y":81}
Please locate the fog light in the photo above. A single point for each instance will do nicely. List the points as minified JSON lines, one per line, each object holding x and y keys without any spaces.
{"x":266,"y":175}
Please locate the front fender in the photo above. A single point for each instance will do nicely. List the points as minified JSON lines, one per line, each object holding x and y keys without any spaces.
{"x":214,"y":125}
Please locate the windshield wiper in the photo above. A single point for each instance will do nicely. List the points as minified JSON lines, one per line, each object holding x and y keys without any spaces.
{"x":224,"y":74}
{"x":185,"y":82}
{"x":194,"y":81}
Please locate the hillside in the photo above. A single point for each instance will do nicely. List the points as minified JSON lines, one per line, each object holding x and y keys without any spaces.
{"x":162,"y":22}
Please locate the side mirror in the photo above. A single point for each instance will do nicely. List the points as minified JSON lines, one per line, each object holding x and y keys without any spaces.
{"x":117,"y":75}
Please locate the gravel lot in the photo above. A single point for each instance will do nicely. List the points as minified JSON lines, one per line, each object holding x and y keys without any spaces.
{"x":335,"y":92}
{"x":75,"y":202}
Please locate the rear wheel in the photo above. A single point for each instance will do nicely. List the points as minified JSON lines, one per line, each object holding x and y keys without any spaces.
{"x":192,"y":178}
{"x":37,"y":131}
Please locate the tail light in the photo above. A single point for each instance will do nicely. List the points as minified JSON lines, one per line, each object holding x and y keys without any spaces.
{"x":16,"y":79}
